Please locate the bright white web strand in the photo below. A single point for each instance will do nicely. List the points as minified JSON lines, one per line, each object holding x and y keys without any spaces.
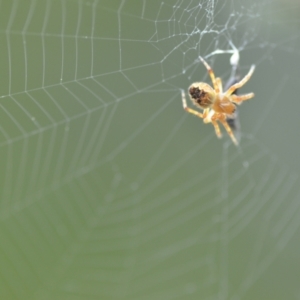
{"x":77,"y":154}
{"x":9,"y":164}
{"x":47,"y":160}
{"x":62,"y":155}
{"x":72,"y":165}
{"x":22,"y":170}
{"x":119,"y":28}
{"x":79,"y":20}
{"x":63,"y":149}
{"x":63,"y":25}
{"x":35,"y":180}
{"x":8,"y":181}
{"x":102,"y":107}
{"x":24,"y":154}
{"x":94,"y":10}
{"x":43,"y":34}
{"x":17,"y":188}
{"x":78,"y":149}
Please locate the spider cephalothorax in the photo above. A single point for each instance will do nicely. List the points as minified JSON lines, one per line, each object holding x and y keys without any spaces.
{"x":216,"y":104}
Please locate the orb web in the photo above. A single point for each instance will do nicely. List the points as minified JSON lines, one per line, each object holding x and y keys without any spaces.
{"x":108,"y":188}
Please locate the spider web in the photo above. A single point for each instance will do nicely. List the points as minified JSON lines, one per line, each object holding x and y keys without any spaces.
{"x":109,"y":190}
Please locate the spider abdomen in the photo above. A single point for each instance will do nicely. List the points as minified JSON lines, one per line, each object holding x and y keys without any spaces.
{"x":202,"y":94}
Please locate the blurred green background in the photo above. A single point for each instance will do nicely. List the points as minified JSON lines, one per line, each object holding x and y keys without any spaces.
{"x":109,"y":190}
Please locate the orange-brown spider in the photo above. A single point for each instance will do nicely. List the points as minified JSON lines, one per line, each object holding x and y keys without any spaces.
{"x":216,"y":105}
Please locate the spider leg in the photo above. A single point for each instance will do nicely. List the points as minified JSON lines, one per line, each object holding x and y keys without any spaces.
{"x":239,"y":99}
{"x":211,"y":74}
{"x":233,"y":120}
{"x":240,"y":83}
{"x":219,"y":83}
{"x":186,"y":108}
{"x":222,"y":119}
{"x":217,"y":128}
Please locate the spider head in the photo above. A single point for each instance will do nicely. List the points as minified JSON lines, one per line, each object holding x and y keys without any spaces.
{"x":202,"y":94}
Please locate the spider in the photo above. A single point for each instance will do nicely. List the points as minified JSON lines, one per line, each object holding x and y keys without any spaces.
{"x":216,"y":104}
